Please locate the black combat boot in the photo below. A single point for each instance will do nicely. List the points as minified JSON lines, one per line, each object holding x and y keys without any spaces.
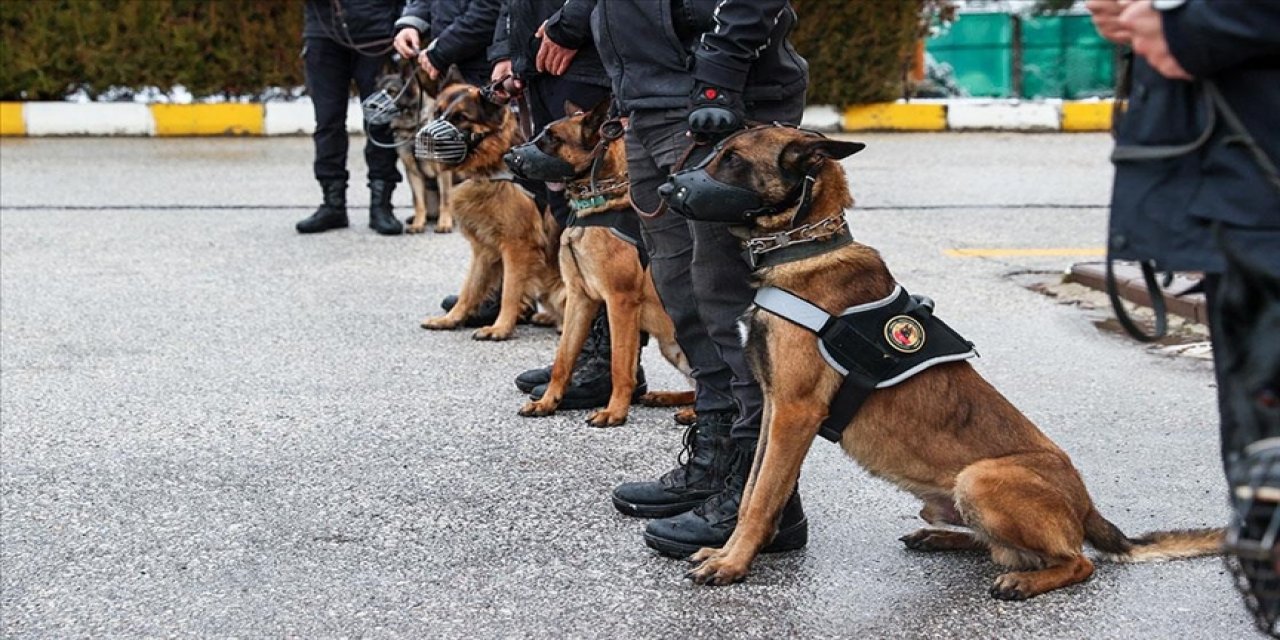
{"x":592,"y":381}
{"x":533,"y":378}
{"x":703,"y":465}
{"x":330,"y":215}
{"x":711,"y":523}
{"x":381,"y":217}
{"x":486,"y":313}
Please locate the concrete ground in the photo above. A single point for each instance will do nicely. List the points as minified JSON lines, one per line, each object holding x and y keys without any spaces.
{"x":215,"y":427}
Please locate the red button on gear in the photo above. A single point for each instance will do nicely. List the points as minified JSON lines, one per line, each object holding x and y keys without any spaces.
{"x":710,"y":93}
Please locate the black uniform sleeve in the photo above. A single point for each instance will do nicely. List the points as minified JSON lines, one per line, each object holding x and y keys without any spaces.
{"x":570,"y":26}
{"x":1210,"y":36}
{"x":727,"y":52}
{"x":468,"y":37}
{"x":416,"y":14}
{"x":501,"y":47}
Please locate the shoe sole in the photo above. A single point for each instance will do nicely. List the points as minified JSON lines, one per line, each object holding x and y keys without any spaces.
{"x":794,"y":537}
{"x":528,"y":388}
{"x":651,"y":511}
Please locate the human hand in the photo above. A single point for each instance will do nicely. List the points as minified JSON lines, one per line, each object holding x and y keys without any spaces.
{"x":552,"y":58}
{"x":425,"y":61}
{"x":1146,"y":28}
{"x":505,"y":85}
{"x":1106,"y":19}
{"x":714,"y":113}
{"x":407,"y":42}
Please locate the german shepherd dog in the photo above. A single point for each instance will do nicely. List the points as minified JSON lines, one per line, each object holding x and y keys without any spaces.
{"x":498,"y":218}
{"x":598,"y":268}
{"x":945,"y":435}
{"x":414,"y":104}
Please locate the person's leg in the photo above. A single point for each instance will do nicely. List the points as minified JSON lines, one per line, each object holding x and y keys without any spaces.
{"x":721,"y":285}
{"x":655,"y":143}
{"x":381,"y":160}
{"x":328,"y":74}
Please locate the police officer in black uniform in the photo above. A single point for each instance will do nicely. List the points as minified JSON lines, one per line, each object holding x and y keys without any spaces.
{"x":704,"y":67}
{"x":346,"y":41}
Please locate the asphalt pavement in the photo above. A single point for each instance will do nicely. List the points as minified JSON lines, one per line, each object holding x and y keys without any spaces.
{"x":211,"y":426}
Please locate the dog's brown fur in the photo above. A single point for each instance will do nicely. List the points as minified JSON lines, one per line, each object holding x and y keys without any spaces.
{"x":415,"y":109}
{"x":945,"y":435}
{"x":498,"y":219}
{"x":599,"y":268}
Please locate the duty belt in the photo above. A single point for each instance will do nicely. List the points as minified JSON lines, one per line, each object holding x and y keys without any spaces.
{"x":874,"y":345}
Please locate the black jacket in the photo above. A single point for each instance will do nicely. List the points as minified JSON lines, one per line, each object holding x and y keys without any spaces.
{"x":569,"y":26}
{"x":366,"y":20}
{"x":654,"y":49}
{"x":1163,"y":209}
{"x":461,"y":29}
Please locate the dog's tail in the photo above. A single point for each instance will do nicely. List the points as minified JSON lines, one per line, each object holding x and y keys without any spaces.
{"x":1156,"y":546}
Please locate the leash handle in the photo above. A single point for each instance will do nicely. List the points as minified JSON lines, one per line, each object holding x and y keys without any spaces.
{"x":1157,"y":303}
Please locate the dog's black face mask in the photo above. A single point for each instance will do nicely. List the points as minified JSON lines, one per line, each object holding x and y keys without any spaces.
{"x":529,"y":161}
{"x":697,"y":195}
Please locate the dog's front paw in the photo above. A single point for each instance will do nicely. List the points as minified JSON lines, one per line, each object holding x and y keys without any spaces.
{"x":717,"y":571}
{"x":493,"y":333}
{"x":704,"y":554}
{"x":537,"y":408}
{"x":444,"y":227}
{"x":440,"y":323}
{"x":1011,"y":586}
{"x":686,"y":417}
{"x":414,"y":227}
{"x":607,"y":418}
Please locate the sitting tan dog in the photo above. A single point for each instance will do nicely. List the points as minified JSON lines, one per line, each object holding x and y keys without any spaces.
{"x":988,"y":478}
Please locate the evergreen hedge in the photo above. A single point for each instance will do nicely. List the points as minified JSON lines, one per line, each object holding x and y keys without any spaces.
{"x":49,"y":48}
{"x":858,"y":50}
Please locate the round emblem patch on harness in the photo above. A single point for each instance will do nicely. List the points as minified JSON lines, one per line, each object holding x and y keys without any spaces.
{"x":904,"y":333}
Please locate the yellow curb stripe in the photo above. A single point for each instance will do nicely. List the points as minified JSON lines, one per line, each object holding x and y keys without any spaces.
{"x":1086,"y":116}
{"x":208,"y":119}
{"x":1033,"y":253}
{"x":892,"y":116}
{"x":12,"y":122}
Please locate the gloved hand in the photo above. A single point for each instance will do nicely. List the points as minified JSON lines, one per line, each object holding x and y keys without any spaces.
{"x":714,"y":112}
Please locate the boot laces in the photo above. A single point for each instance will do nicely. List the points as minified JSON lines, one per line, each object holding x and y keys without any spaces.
{"x":677,"y":475}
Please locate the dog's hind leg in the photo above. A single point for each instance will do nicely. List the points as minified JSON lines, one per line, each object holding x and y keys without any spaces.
{"x":941,"y":540}
{"x":1030,"y":509}
{"x":444,"y":184}
{"x":417,"y":185}
{"x":791,"y":429}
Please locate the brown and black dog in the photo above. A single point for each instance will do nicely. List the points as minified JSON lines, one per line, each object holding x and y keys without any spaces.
{"x":598,"y":268}
{"x":498,"y":218}
{"x":414,"y":108}
{"x":945,"y":435}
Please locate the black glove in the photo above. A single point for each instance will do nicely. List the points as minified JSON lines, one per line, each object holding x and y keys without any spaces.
{"x":714,"y":112}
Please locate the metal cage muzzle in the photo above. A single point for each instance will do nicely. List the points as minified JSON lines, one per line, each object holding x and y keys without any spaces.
{"x":440,"y":141}
{"x":379,"y":108}
{"x":532,"y":163}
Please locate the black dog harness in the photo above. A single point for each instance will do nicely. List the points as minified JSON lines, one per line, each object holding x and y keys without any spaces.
{"x":874,"y":345}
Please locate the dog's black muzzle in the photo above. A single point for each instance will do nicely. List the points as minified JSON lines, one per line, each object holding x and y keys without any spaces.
{"x":530,"y":162}
{"x":694,"y":194}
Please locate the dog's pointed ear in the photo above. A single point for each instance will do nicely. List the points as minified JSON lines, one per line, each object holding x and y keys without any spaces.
{"x":597,"y":115}
{"x":802,"y":154}
{"x":451,"y":77}
{"x":571,"y":108}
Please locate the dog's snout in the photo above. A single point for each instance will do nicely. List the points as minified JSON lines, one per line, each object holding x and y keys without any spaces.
{"x":666,"y":190}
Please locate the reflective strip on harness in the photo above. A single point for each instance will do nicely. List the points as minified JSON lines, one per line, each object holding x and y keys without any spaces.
{"x":873,"y":345}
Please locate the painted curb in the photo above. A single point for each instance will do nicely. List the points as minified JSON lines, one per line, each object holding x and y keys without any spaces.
{"x":297,"y":118}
